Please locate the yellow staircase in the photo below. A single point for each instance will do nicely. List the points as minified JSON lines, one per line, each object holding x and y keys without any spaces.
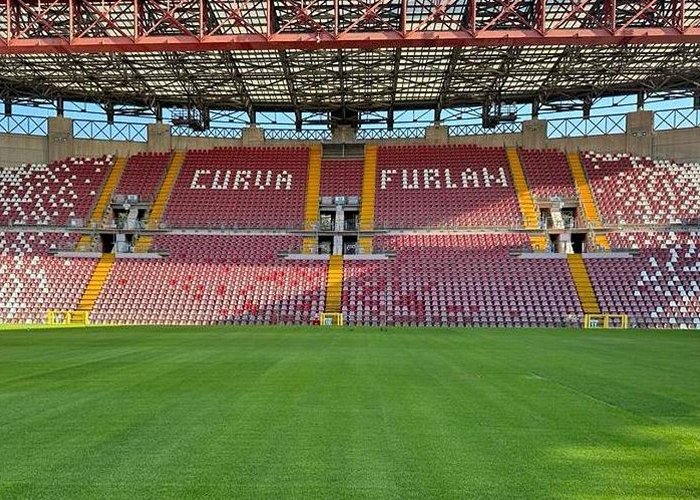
{"x":527,"y":205}
{"x":369,"y":181}
{"x":313,"y":187}
{"x":97,"y":281}
{"x":143,"y":244}
{"x":313,"y":190}
{"x":369,"y":186}
{"x":158,"y":208}
{"x":365,"y":243}
{"x":334,"y":284}
{"x":539,"y":242}
{"x":584,"y":288}
{"x":525,"y":200}
{"x":590,"y":211}
{"x":85,"y":241}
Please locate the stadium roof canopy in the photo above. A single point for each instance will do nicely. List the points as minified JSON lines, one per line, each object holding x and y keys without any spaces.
{"x":357,"y":55}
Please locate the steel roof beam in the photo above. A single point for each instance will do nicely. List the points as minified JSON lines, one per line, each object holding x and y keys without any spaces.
{"x":366,"y":40}
{"x":240,"y":85}
{"x":289,"y":80}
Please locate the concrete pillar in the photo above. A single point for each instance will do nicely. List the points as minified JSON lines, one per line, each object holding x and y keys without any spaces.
{"x":534,"y":134}
{"x":339,"y":218}
{"x":60,"y":131}
{"x":436,"y":134}
{"x":639,"y":132}
{"x":337,"y":244}
{"x":159,"y":138}
{"x":252,"y":136}
{"x":343,"y":133}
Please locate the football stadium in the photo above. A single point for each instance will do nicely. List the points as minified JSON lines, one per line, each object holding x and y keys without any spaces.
{"x":350,"y":249}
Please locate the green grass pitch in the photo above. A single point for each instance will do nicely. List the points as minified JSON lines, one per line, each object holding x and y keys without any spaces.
{"x":217,"y":412}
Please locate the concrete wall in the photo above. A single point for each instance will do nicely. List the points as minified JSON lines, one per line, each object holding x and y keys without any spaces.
{"x":183,"y":143}
{"x":680,"y":145}
{"x":92,"y":148}
{"x":613,"y":143}
{"x":18,"y":149}
{"x":639,"y":139}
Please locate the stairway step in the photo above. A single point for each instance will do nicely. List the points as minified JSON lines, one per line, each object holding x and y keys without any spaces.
{"x":369,"y":179}
{"x":582,"y":283}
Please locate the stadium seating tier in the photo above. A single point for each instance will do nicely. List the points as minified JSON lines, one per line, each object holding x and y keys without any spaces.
{"x":444,"y":186}
{"x":51,"y":195}
{"x":240,"y":188}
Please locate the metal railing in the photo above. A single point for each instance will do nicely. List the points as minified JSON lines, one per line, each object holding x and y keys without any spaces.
{"x":581,"y":127}
{"x":368,"y":134}
{"x":284,"y":134}
{"x":25,"y":125}
{"x":666,"y":119}
{"x":210,"y":133}
{"x":90,"y":129}
{"x":476,"y":129}
{"x":672,"y":119}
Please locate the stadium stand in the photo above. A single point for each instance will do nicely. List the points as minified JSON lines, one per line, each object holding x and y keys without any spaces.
{"x":341,"y":177}
{"x":444,"y":186}
{"x":547,"y":173}
{"x":633,"y":190}
{"x":143,"y":175}
{"x":432,"y":278}
{"x":33,"y":282}
{"x":215,"y":279}
{"x":459,"y":280}
{"x":659,"y":287}
{"x":240,"y":187}
{"x":35,"y":194}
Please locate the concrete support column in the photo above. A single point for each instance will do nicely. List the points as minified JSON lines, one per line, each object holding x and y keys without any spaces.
{"x":60,"y":131}
{"x":534,"y":134}
{"x":160,"y":139}
{"x":338,"y":244}
{"x":339,"y":218}
{"x":252,"y":136}
{"x":343,"y":133}
{"x":436,"y":134}
{"x":639,"y":132}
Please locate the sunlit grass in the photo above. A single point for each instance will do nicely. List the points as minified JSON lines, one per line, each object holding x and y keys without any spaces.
{"x":219,"y":412}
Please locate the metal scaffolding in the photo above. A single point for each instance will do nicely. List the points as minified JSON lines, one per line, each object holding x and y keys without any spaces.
{"x":326,"y":55}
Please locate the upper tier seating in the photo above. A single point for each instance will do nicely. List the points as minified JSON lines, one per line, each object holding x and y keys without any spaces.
{"x":660,"y":287}
{"x":341,"y":177}
{"x":215,"y":279}
{"x":240,"y":187}
{"x":436,"y":186}
{"x":631,"y":190}
{"x":143,"y":175}
{"x":548,"y":174}
{"x":51,"y":194}
{"x":456,"y":280}
{"x":33,"y":282}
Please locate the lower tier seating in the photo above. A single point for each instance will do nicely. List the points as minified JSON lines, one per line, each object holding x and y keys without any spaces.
{"x":439,"y":280}
{"x":33,"y":282}
{"x":459,"y":280}
{"x":215,"y":279}
{"x":659,"y":287}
